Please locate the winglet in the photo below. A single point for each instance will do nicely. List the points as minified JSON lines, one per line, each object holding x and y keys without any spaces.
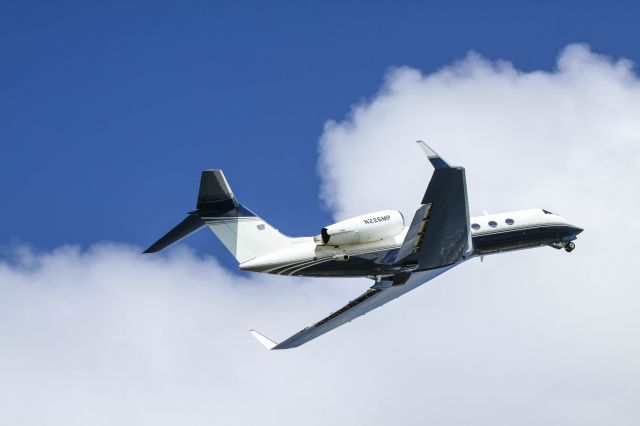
{"x":265,"y":341}
{"x":433,"y":156}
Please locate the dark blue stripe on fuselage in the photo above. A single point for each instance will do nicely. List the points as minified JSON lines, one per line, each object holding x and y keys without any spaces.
{"x":505,"y":240}
{"x":383,"y":261}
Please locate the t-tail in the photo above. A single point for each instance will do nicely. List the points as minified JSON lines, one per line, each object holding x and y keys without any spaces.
{"x":243,"y":233}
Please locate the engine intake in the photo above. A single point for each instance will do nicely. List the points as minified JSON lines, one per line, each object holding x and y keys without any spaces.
{"x":367,"y":228}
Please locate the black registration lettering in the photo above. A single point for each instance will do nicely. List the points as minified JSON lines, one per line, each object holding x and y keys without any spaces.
{"x":376,"y":219}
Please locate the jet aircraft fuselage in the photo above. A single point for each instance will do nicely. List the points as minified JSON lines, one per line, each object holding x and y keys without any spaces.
{"x":491,"y":234}
{"x":379,"y":245}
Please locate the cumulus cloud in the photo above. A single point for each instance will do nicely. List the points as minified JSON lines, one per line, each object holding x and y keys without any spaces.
{"x":108,"y":336}
{"x":567,"y":140}
{"x":573,"y":129}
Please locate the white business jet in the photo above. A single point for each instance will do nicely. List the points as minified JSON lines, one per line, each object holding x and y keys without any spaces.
{"x":377,"y":245}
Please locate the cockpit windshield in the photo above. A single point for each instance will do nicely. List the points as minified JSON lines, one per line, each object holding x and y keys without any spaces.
{"x":547,"y":211}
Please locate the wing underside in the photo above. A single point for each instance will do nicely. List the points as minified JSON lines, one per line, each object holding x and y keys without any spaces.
{"x":375,"y":296}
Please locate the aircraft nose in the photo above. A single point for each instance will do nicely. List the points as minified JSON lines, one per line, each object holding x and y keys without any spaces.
{"x":572,"y":227}
{"x":576,"y":229}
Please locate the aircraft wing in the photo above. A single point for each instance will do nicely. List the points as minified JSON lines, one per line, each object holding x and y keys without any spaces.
{"x":438,"y":239}
{"x":439,"y":232}
{"x":376,"y":296}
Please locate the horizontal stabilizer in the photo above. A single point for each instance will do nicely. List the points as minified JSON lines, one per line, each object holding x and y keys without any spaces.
{"x":188,"y":226}
{"x":215,"y":198}
{"x":265,"y":341}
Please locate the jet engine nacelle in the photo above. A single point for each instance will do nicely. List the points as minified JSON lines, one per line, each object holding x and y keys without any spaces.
{"x":367,"y":228}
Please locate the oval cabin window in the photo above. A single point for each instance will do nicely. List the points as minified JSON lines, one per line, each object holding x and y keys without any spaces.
{"x":509,"y":221}
{"x":475,"y":226}
{"x":493,"y":224}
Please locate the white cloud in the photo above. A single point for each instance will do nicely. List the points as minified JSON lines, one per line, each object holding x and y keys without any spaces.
{"x":108,"y":336}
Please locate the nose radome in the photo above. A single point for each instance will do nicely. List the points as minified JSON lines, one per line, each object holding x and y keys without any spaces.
{"x":575,"y":228}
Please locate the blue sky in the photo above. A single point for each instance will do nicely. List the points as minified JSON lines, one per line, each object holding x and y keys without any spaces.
{"x":110,"y":110}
